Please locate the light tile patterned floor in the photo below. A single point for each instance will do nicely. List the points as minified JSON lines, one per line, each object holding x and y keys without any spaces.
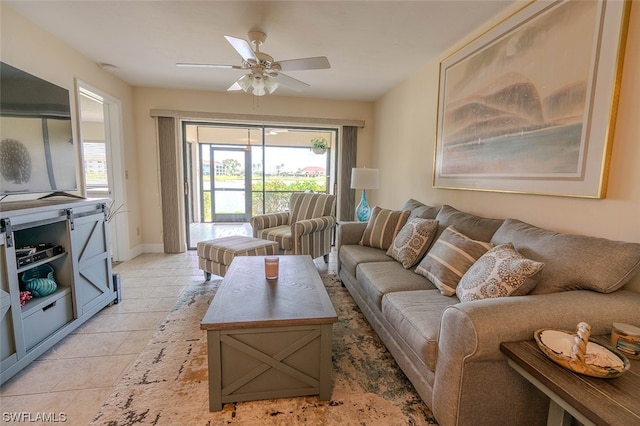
{"x":79,"y":373}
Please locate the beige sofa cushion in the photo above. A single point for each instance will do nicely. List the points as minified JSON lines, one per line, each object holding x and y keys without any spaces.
{"x":416,"y":316}
{"x":572,"y":262}
{"x":420,"y":210}
{"x":474,"y":227}
{"x":413,"y":240}
{"x":449,"y":259}
{"x":352,"y":255}
{"x":500,"y":272}
{"x":380,"y":278}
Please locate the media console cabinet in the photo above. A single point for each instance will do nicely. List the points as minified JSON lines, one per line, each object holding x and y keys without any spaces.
{"x":77,"y":235}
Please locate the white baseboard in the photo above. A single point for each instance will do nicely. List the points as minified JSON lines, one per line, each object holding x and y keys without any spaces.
{"x":152,"y":248}
{"x":142,"y":249}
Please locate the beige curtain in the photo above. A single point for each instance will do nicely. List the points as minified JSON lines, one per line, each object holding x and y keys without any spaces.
{"x":348,"y":151}
{"x":170,"y":184}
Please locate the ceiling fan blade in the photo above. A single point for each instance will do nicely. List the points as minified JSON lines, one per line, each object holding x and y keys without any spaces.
{"x":243,"y":47}
{"x":234,"y":87}
{"x":316,"y":63}
{"x":289,"y":82}
{"x":193,"y":65}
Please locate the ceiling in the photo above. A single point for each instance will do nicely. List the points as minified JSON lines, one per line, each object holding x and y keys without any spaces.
{"x":371,"y":45}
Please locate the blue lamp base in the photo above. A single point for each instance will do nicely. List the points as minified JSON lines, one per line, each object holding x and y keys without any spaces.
{"x":363,"y":211}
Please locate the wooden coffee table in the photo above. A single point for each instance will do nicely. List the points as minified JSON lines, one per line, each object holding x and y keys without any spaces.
{"x":269,"y":339}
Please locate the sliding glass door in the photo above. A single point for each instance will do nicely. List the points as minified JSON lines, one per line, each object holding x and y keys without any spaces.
{"x":225,"y":177}
{"x":234,"y":172}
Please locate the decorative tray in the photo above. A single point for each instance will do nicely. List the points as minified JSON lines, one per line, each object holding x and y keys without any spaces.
{"x":580,"y":355}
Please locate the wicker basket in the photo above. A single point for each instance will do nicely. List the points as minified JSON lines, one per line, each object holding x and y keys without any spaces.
{"x":39,"y":281}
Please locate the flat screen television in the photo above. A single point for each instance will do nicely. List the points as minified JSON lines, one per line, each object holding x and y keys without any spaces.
{"x":37,"y":153}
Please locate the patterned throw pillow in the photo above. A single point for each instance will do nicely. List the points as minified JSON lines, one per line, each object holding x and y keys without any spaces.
{"x":450,"y":257}
{"x":383,"y":226}
{"x":412,"y":241}
{"x":500,"y":272}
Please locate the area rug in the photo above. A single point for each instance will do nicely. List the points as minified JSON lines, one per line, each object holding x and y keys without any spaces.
{"x":167,"y":384}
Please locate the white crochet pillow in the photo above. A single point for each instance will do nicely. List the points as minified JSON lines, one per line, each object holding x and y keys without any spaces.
{"x":500,"y":272}
{"x":413,"y":240}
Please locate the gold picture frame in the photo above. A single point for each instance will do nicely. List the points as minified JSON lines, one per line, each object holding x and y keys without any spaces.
{"x":530,"y":106}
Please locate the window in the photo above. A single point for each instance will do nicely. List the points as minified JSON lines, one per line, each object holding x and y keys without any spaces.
{"x":94,"y":152}
{"x":235,"y":171}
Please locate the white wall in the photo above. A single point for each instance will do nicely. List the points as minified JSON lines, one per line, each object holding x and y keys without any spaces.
{"x":405,"y":129}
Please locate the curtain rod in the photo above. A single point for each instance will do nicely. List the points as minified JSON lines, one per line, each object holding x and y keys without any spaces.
{"x":271,"y":119}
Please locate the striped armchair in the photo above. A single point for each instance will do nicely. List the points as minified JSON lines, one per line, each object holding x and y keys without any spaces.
{"x":305,"y":229}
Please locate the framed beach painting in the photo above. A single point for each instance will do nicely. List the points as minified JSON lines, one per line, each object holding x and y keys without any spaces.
{"x":530,"y":106}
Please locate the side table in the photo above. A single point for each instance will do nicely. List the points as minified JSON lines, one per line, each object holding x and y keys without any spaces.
{"x":590,"y":400}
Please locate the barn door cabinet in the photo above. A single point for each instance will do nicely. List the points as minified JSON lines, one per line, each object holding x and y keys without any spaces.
{"x":70,"y":238}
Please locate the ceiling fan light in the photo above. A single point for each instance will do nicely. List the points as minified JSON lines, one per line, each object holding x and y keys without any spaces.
{"x":259,"y":91}
{"x":270,"y":85}
{"x":245,"y":82}
{"x":258,"y":81}
{"x":258,"y":84}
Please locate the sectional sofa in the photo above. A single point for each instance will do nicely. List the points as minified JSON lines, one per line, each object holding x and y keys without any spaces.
{"x":443,"y":288}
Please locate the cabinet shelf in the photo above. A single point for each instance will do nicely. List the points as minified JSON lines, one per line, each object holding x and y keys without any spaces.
{"x":38,"y":303}
{"x":41,"y":262}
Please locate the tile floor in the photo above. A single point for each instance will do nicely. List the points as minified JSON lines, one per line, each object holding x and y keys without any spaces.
{"x":79,"y":373}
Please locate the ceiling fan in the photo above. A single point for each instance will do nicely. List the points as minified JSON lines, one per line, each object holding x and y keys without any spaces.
{"x":265,"y":74}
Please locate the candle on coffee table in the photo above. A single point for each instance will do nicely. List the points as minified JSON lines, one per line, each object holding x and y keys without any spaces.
{"x":271,"y":266}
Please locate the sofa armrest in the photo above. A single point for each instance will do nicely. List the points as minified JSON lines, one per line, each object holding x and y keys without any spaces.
{"x":349,"y":233}
{"x":269,"y":220}
{"x":308,"y":226}
{"x":476,"y":329}
{"x":471,"y":333}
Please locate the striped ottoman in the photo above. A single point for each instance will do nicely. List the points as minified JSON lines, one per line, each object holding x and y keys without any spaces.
{"x":215,"y":256}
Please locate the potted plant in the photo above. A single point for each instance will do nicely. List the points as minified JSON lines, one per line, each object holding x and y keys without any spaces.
{"x":320,"y":145}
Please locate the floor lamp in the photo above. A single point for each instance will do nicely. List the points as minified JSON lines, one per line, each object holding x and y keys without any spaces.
{"x":364,"y":179}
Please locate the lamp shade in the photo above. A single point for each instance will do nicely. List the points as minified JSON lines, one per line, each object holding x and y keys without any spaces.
{"x":364,"y":178}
